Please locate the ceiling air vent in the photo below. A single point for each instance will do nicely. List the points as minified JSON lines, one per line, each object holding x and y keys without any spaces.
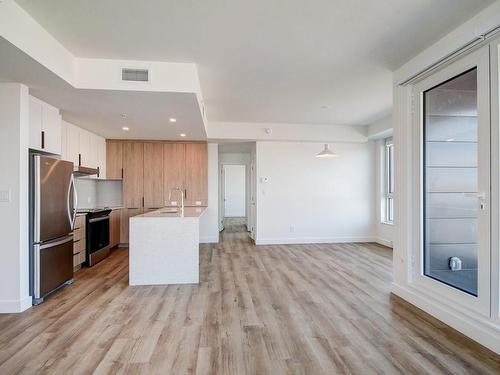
{"x":138,"y":75}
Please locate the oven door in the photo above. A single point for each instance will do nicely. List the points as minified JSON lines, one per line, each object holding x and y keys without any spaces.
{"x":97,"y":239}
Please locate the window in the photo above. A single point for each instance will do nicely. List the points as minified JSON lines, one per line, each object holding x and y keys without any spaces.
{"x":389,"y":181}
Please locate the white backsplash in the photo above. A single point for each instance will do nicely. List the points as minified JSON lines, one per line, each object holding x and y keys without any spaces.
{"x":94,"y":193}
{"x":109,"y":193}
{"x":87,"y":192}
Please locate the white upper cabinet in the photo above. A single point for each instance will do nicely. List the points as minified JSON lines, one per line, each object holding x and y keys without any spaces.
{"x":84,"y":148}
{"x":72,"y":143}
{"x":51,"y":129}
{"x":101,"y":157}
{"x":35,"y":123}
{"x":45,"y":127}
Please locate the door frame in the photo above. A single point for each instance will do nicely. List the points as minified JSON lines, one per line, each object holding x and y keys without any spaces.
{"x":495,"y":178}
{"x":245,"y":165}
{"x":248,"y":194}
{"x":481,"y":303}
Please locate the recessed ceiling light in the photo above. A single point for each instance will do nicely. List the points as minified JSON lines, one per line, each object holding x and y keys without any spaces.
{"x":182,"y":135}
{"x":126,"y":128}
{"x":171,"y":119}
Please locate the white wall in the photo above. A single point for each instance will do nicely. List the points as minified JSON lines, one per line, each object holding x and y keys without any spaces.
{"x":14,"y":141}
{"x":235,"y":181}
{"x":380,"y":129}
{"x":209,"y":227}
{"x":311,"y":200}
{"x":253,"y":131}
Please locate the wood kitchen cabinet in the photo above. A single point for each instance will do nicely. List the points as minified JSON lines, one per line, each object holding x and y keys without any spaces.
{"x":151,"y":169}
{"x":133,"y":174}
{"x":79,"y":242}
{"x":126,"y":214}
{"x":174,"y":155}
{"x":196,"y":178}
{"x":153,"y":175}
{"x":114,"y":227}
{"x":114,"y":160}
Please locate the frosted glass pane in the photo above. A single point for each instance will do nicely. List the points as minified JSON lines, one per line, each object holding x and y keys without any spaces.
{"x":452,"y":231}
{"x":451,"y":103}
{"x":450,"y":205}
{"x":440,"y":253}
{"x":451,"y":154}
{"x":451,"y":179}
{"x":451,"y":182}
{"x":451,"y":128}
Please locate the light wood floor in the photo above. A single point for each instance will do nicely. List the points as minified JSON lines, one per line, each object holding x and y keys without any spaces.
{"x":308,"y":309}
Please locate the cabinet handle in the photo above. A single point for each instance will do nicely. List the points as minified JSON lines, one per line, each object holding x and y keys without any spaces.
{"x":122,"y":173}
{"x":43,"y":139}
{"x":142,"y":201}
{"x":79,"y":160}
{"x":185,"y":193}
{"x":97,"y":172}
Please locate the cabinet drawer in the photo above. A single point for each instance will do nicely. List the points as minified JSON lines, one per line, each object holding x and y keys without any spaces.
{"x":83,"y":256}
{"x":78,"y":246}
{"x":76,"y":260}
{"x":80,"y":221}
{"x":78,"y":233}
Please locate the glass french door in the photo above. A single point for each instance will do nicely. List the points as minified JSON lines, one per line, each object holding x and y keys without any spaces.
{"x":454,"y":174}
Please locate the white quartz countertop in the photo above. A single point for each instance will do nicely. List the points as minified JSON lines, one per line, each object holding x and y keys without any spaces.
{"x":166,"y":212}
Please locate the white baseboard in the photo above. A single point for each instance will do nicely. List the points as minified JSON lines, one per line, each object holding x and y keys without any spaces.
{"x":383,"y":241}
{"x":310,"y":240}
{"x":15,"y":306}
{"x":480,"y":329}
{"x":209,"y":239}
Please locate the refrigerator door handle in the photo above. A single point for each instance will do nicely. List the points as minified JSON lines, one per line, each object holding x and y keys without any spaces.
{"x":56,"y":243}
{"x":68,"y":204}
{"x":75,"y":201}
{"x":72,"y":210}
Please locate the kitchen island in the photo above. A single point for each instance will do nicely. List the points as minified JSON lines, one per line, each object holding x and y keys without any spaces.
{"x":164,"y":246}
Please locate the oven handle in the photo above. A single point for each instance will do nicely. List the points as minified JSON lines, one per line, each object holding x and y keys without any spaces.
{"x":98,"y":219}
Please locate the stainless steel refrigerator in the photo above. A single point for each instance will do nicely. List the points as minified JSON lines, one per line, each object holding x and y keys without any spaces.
{"x":52,"y":217}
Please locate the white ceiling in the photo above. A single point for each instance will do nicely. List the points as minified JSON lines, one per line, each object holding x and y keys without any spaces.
{"x":100,"y":111}
{"x":290,"y":61}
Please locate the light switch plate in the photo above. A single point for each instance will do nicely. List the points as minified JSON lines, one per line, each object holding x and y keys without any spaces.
{"x":5,"y":196}
{"x":173,"y":203}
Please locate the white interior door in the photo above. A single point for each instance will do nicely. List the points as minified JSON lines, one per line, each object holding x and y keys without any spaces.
{"x":235,"y":190}
{"x":452,"y":120}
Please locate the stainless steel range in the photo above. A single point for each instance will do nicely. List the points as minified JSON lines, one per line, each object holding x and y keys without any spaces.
{"x":97,"y":236}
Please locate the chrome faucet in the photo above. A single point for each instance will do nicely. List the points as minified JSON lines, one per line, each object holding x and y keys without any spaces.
{"x":182,"y":197}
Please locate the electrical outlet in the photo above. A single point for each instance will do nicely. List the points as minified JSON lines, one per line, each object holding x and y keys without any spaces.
{"x":173,"y":203}
{"x":5,"y":196}
{"x":292,"y":229}
{"x":198,"y":203}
